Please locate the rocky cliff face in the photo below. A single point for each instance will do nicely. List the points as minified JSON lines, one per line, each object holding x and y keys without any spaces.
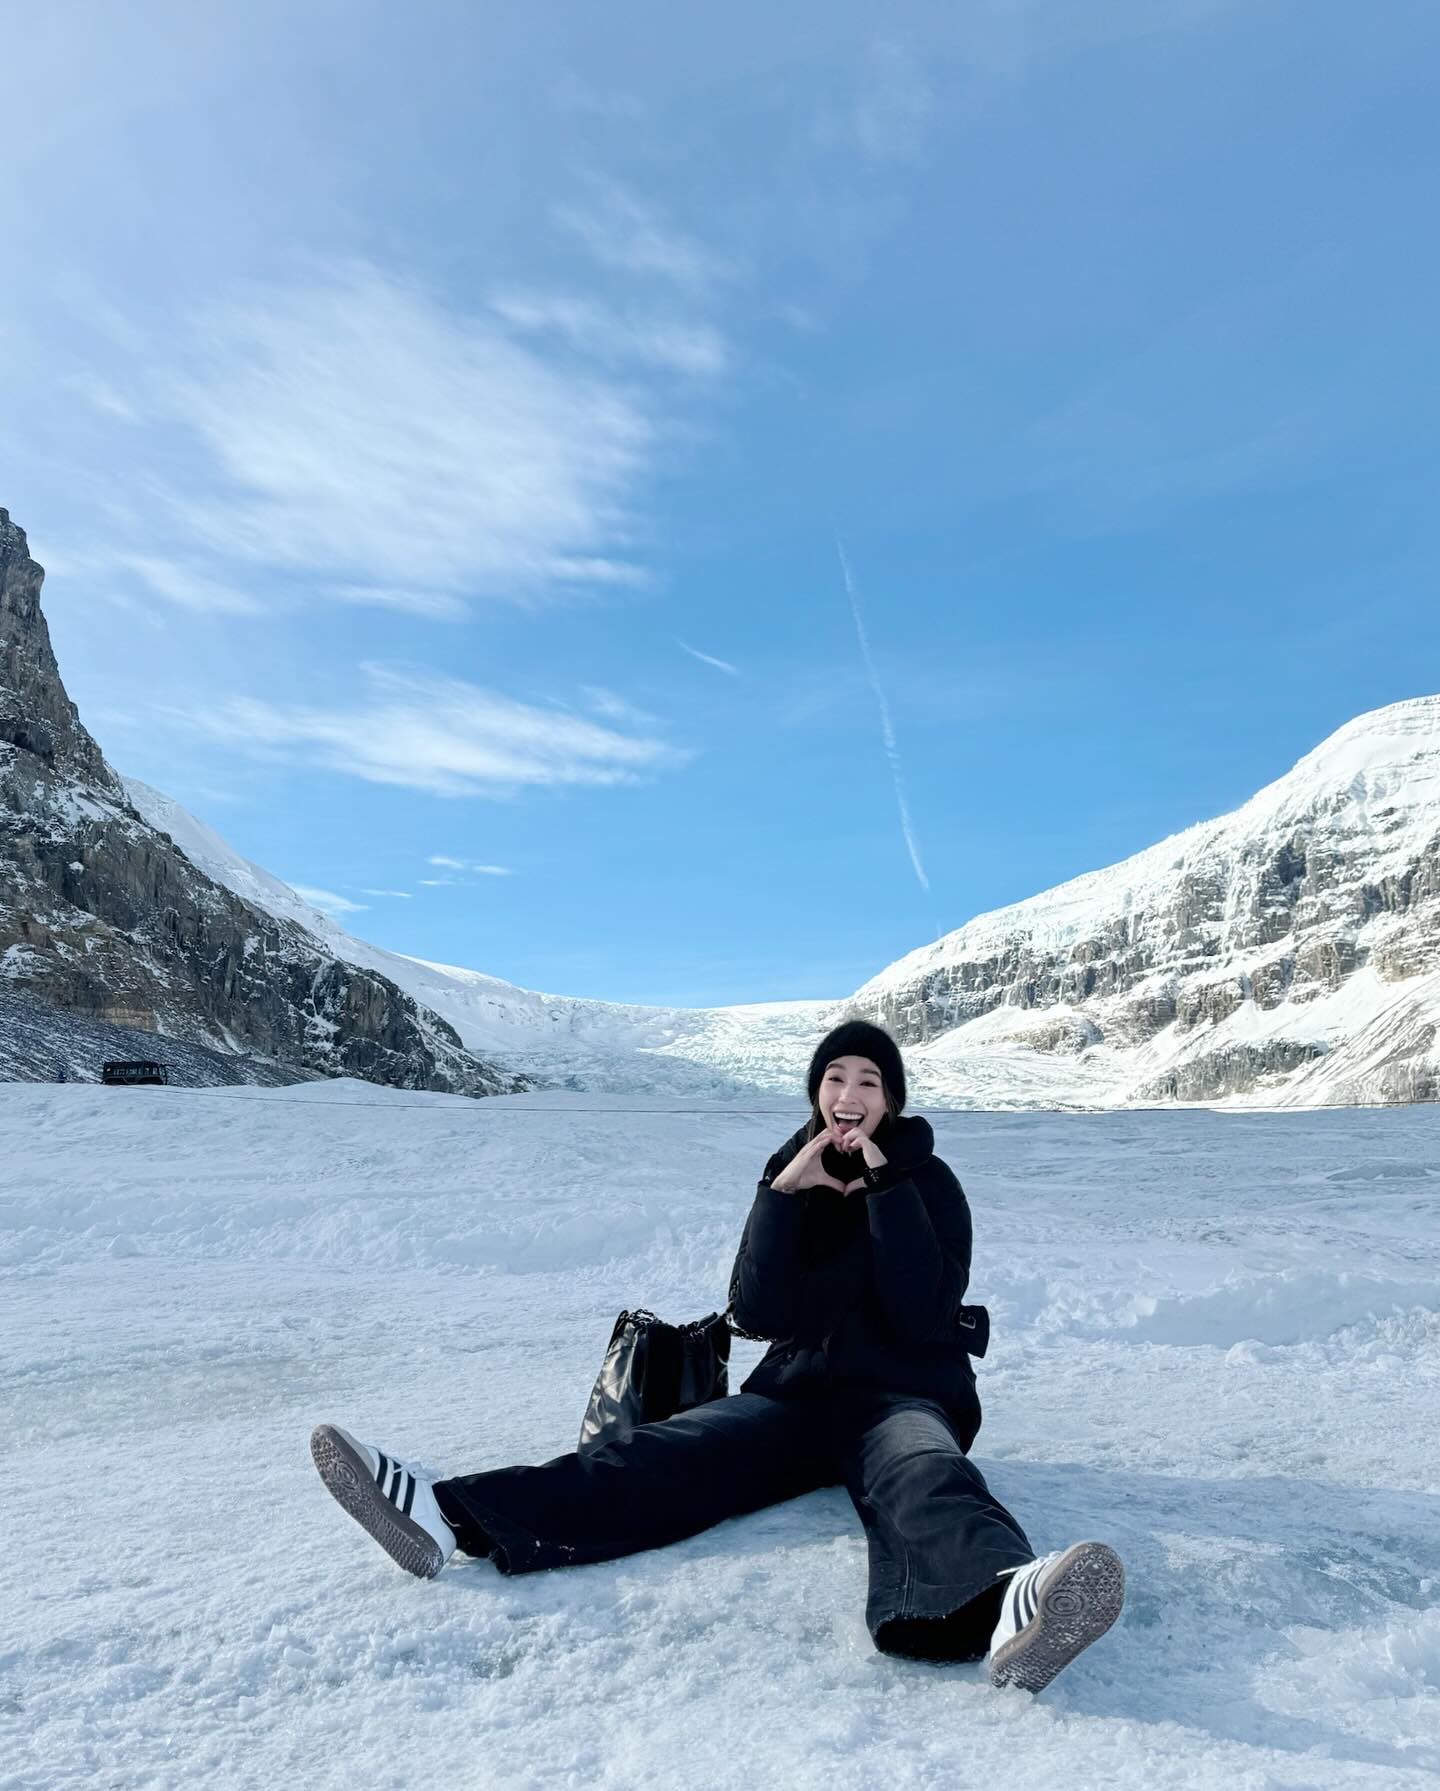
{"x":1290,"y":949}
{"x":102,"y":914}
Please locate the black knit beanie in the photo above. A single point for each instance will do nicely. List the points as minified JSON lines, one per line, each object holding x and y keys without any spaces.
{"x":858,"y":1038}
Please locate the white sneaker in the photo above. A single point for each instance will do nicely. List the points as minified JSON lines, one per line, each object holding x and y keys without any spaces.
{"x":1052,"y":1609}
{"x":386,"y":1496}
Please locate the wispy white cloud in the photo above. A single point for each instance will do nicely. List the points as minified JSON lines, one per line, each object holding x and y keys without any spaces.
{"x":885,"y":109}
{"x":679,"y":345}
{"x":893,"y":109}
{"x":613,"y":707}
{"x":361,"y":437}
{"x":439,"y":606}
{"x":799,"y":318}
{"x":410,"y":454}
{"x":102,"y":396}
{"x":624,"y":233}
{"x":722,"y":665}
{"x":468,"y":864}
{"x":326,"y":900}
{"x":186,"y":587}
{"x":442,"y":735}
{"x":887,"y":730}
{"x":132,"y":581}
{"x":594,"y":571}
{"x":400,"y":895}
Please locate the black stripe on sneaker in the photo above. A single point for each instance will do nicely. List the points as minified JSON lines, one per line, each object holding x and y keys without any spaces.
{"x":1028,"y":1599}
{"x":409,"y":1498}
{"x":382,"y":1470}
{"x":392,"y":1492}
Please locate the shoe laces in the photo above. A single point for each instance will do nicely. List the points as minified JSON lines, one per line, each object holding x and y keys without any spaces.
{"x":418,"y":1470}
{"x":1037,"y":1565}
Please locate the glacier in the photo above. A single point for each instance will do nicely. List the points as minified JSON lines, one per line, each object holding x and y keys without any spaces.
{"x":1216,"y":1346}
{"x":1285,"y":954}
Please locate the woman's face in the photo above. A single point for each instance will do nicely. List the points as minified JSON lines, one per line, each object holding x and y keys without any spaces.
{"x":851,"y":1095}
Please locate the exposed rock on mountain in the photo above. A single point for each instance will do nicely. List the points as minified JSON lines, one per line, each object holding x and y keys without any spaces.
{"x":1290,"y":950}
{"x":103,"y":915}
{"x":1285,"y":954}
{"x":42,"y":1043}
{"x":563,"y":1041}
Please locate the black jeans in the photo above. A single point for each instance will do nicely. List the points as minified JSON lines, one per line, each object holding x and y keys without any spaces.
{"x":937,"y":1536}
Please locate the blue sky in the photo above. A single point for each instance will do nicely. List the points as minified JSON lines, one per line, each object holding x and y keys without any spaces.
{"x":447,"y":432}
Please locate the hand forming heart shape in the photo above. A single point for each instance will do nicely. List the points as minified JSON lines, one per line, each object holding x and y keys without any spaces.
{"x":805,"y":1170}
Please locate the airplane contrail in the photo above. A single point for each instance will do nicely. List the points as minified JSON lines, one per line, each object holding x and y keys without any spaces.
{"x":722,"y":665}
{"x":886,"y":730}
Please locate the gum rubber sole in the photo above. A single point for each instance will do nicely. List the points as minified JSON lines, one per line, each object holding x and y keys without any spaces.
{"x":1084,"y":1591}
{"x":346,"y":1473}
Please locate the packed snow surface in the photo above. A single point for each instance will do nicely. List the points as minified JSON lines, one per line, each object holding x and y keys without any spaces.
{"x":1217,"y":1346}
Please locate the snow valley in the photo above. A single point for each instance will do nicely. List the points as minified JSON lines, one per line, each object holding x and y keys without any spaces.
{"x":1287,"y":954}
{"x":1217,"y":1341}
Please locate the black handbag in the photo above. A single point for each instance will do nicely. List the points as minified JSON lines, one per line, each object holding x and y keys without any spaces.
{"x":653,"y":1370}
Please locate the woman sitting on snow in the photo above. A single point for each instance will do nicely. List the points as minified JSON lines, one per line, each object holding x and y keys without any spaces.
{"x":855,"y":1259}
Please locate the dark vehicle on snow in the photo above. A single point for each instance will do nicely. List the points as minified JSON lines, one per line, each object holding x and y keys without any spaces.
{"x":136,"y":1073}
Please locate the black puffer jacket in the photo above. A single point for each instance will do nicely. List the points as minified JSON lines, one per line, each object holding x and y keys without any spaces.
{"x":866,"y":1289}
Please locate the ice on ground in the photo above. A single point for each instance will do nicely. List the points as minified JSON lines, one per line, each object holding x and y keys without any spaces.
{"x":1217,"y":1346}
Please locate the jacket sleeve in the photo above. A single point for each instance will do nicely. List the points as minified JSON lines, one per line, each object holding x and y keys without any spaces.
{"x":921,"y":1251}
{"x":774,"y":1291}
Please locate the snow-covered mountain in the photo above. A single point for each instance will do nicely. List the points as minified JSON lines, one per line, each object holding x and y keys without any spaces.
{"x":1285,"y":954}
{"x":103,"y":919}
{"x":1288,"y":953}
{"x":561,"y":1040}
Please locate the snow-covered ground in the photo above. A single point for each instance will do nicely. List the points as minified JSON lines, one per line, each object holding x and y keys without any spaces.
{"x":1217,"y":1346}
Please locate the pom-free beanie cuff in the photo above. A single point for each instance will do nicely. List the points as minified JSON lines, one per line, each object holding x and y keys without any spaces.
{"x":859,"y":1038}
